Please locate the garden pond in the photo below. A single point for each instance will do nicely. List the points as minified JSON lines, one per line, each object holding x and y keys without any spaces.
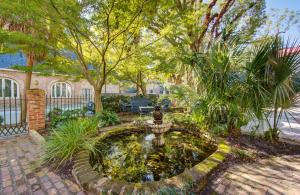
{"x":132,"y":157}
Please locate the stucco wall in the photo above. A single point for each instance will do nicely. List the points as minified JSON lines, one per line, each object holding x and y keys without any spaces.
{"x":39,"y":81}
{"x":45,"y":82}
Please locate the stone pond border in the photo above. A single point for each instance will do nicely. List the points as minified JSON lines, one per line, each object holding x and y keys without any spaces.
{"x":92,"y":182}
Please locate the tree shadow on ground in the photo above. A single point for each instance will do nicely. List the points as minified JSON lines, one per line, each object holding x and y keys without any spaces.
{"x":274,"y":171}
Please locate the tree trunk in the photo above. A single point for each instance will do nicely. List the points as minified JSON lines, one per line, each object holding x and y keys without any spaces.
{"x":98,"y":100}
{"x":140,"y":85}
{"x":30,"y":62}
{"x":138,"y":90}
{"x":274,"y":130}
{"x":143,"y":89}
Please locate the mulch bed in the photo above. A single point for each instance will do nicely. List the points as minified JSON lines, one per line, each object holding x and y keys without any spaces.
{"x":257,"y":147}
{"x":65,"y":171}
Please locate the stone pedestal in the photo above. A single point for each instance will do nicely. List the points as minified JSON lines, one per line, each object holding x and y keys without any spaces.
{"x":36,"y":104}
{"x":159,"y":140}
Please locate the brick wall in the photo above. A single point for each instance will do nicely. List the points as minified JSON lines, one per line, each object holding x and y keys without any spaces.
{"x":36,"y":109}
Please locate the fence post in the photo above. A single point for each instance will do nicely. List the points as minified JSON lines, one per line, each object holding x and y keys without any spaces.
{"x":36,"y":109}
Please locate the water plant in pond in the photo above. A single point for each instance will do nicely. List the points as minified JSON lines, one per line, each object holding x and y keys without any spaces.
{"x":133,"y":157}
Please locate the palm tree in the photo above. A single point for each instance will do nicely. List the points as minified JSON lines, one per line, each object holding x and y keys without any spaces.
{"x":239,"y":81}
{"x":270,"y":80}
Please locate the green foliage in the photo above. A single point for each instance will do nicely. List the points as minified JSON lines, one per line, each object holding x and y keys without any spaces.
{"x":219,"y":107}
{"x":58,"y":117}
{"x":272,"y":134}
{"x":140,"y":122}
{"x":1,"y":120}
{"x":54,"y":116}
{"x":219,"y":130}
{"x":101,"y":38}
{"x":54,"y":65}
{"x":275,"y":69}
{"x":136,"y":40}
{"x":238,"y":84}
{"x":107,"y":118}
{"x":171,"y":191}
{"x":182,"y":120}
{"x":112,"y":102}
{"x":183,"y":95}
{"x":242,"y":154}
{"x":215,"y":110}
{"x":69,"y":138}
{"x":153,"y":98}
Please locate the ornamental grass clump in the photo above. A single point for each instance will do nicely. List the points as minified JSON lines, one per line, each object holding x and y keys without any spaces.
{"x":70,"y":138}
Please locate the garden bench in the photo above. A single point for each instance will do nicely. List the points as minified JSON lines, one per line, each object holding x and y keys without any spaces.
{"x":146,"y":109}
{"x":138,"y":102}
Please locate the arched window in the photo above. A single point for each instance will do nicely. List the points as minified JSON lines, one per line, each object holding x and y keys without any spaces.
{"x":9,"y":88}
{"x":61,"y":90}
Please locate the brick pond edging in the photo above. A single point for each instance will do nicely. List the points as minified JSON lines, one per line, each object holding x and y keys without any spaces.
{"x":94,"y":183}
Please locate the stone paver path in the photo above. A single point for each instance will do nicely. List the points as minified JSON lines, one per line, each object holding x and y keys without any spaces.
{"x":20,"y":171}
{"x":278,"y":175}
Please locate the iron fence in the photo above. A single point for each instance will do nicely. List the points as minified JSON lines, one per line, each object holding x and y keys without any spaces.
{"x":12,"y":116}
{"x":67,"y":104}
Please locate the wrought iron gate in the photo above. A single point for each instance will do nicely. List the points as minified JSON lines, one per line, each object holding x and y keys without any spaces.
{"x":12,"y":117}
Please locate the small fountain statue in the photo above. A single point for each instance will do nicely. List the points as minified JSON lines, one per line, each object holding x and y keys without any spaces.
{"x":157,"y":115}
{"x":158,"y":127}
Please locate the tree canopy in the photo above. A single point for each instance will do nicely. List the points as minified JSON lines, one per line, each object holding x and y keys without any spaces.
{"x":128,"y":41}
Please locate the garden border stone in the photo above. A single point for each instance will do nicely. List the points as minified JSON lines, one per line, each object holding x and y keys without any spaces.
{"x":36,"y":137}
{"x":196,"y":177}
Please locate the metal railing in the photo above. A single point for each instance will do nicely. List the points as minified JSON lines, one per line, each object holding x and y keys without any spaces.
{"x":67,"y":103}
{"x":12,"y":116}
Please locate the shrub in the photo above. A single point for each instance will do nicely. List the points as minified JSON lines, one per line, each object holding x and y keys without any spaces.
{"x":59,"y":117}
{"x":219,"y":130}
{"x":1,"y":120}
{"x":53,"y":116}
{"x":70,"y":138}
{"x":272,"y":134}
{"x":218,"y":114}
{"x":112,"y":102}
{"x":153,"y":98}
{"x":181,"y":119}
{"x":107,"y":118}
{"x":183,"y":95}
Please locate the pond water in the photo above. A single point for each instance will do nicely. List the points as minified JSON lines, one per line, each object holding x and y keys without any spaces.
{"x":133,"y":158}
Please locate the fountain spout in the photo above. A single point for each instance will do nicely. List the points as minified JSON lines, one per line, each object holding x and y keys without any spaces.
{"x":158,"y":127}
